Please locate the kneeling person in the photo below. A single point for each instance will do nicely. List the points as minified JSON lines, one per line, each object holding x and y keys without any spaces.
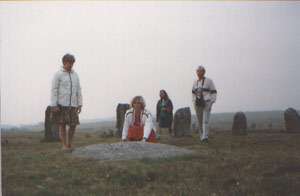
{"x":138,"y":123}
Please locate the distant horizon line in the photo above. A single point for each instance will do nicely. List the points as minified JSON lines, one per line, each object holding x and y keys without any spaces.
{"x":113,"y":117}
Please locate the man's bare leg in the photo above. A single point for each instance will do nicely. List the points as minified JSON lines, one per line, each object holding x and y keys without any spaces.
{"x":62,"y":134}
{"x":67,"y":138}
{"x":71,"y":132}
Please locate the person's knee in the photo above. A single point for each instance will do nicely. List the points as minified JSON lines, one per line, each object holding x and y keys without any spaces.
{"x":72,"y":128}
{"x":62,"y":132}
{"x":62,"y":127}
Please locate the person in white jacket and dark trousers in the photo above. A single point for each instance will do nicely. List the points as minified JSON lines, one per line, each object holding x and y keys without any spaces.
{"x":66,"y":100}
{"x":204,"y":96}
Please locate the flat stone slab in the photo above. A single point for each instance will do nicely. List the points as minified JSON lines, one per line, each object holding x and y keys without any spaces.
{"x":129,"y":150}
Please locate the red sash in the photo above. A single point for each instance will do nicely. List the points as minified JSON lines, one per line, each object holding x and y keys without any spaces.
{"x":136,"y":132}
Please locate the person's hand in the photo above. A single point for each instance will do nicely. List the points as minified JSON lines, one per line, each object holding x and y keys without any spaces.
{"x":194,"y":91}
{"x":55,"y":109}
{"x":79,"y":109}
{"x":209,"y":103}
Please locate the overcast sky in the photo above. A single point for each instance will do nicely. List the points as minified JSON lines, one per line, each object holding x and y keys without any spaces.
{"x":250,"y":49}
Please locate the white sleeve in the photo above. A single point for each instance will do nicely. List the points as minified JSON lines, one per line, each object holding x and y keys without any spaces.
{"x":214,"y":93}
{"x":79,"y":95}
{"x":125,"y":128}
{"x":194,"y":88}
{"x":54,"y":90}
{"x":148,"y":126}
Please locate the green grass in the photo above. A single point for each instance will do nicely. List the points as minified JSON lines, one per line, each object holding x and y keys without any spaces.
{"x":266,"y":163}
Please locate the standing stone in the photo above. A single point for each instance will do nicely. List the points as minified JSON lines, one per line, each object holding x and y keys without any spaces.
{"x":121,"y":110}
{"x":292,"y":120}
{"x":182,"y":122}
{"x":51,"y":128}
{"x":253,"y":126}
{"x":4,"y":140}
{"x":239,"y":126}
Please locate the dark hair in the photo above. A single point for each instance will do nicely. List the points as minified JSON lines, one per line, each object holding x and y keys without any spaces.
{"x":68,"y":58}
{"x":165,"y":92}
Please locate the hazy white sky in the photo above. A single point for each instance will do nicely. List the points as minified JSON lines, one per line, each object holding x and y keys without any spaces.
{"x":250,"y":49}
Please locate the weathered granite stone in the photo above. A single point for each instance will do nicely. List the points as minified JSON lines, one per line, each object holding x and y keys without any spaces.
{"x":182,"y":122}
{"x":121,"y":110}
{"x":129,"y":150}
{"x":239,"y":126}
{"x":292,"y":120}
{"x":51,"y":128}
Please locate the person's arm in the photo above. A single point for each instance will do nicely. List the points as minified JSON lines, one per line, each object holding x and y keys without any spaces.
{"x":157,"y":111}
{"x":213,"y":92}
{"x":194,"y":91}
{"x":194,"y":88}
{"x":54,"y":90}
{"x":125,"y":128}
{"x":148,"y":126}
{"x":79,"y":96}
{"x":170,"y":106}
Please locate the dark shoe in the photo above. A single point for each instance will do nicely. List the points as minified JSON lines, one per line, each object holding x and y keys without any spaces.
{"x":204,"y":141}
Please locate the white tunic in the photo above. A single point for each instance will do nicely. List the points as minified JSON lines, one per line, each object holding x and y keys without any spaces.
{"x":146,"y":121}
{"x":66,"y":89}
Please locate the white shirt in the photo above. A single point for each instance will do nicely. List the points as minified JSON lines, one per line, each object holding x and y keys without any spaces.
{"x":208,"y":89}
{"x":146,"y":121}
{"x":66,"y":90}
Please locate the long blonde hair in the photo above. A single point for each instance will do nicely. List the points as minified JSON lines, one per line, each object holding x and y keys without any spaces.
{"x":139,"y":99}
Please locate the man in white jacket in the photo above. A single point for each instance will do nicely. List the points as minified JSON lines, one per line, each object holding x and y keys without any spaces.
{"x":204,"y":95}
{"x":66,"y":100}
